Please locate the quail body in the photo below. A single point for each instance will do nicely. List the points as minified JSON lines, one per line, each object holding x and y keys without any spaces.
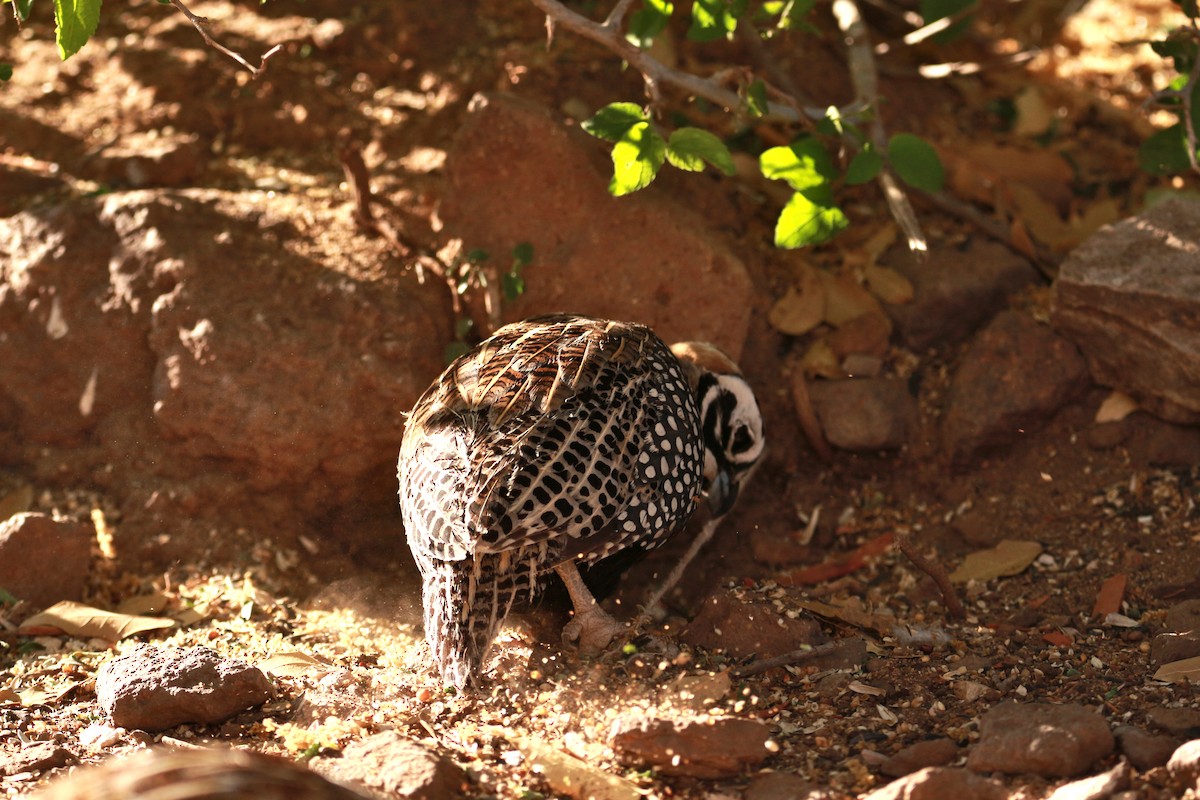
{"x":553,"y":444}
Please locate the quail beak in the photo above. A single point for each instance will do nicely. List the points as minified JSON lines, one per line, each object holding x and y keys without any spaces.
{"x":721,"y":494}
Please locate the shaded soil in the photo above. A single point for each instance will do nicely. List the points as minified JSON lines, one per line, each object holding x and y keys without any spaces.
{"x":394,"y":80}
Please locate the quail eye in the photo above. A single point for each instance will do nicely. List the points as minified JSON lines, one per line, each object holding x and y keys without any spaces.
{"x":742,"y":440}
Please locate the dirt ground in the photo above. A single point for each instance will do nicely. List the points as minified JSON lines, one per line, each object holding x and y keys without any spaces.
{"x":395,"y":79}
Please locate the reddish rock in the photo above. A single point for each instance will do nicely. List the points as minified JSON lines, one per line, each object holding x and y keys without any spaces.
{"x":1129,"y":297}
{"x":1181,"y":722}
{"x":1012,"y":378}
{"x":955,"y":290}
{"x":156,"y":688}
{"x":1053,"y":741}
{"x":150,"y":159}
{"x":939,"y":783}
{"x":35,"y":757}
{"x":864,"y":414}
{"x":743,"y":629}
{"x":44,"y":560}
{"x":784,"y":786}
{"x":517,"y":174}
{"x":1184,"y":766}
{"x":387,"y":765}
{"x":1168,"y":647}
{"x":699,"y":747}
{"x":1143,"y":750}
{"x":929,"y":753}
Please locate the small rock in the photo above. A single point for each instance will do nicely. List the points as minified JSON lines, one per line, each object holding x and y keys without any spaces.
{"x":1168,"y":647}
{"x":1159,"y":443}
{"x":950,"y":300}
{"x":1097,"y":787}
{"x":35,"y":757}
{"x":1184,"y":616}
{"x":699,"y":747}
{"x":783,"y":786}
{"x":1129,"y":297}
{"x":44,"y":560}
{"x":938,"y":783}
{"x":1054,"y":741}
{"x":745,"y":629}
{"x":699,"y":692}
{"x":1143,"y":750}
{"x":1013,"y":377}
{"x":196,"y":774}
{"x":1184,"y":765}
{"x":1106,"y":435}
{"x":1181,"y":722}
{"x":864,"y":414}
{"x":390,"y":766}
{"x":930,"y":753}
{"x":155,"y":688}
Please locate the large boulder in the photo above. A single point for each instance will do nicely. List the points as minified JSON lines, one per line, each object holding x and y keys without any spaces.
{"x":1129,"y":297}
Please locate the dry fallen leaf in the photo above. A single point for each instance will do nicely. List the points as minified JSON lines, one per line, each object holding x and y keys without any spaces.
{"x":1116,"y":407}
{"x":142,"y":604}
{"x":76,"y":619}
{"x":1108,"y":599}
{"x":845,"y":299}
{"x":888,"y":285}
{"x":1180,"y":671}
{"x":800,"y":310}
{"x":1034,"y":115}
{"x":573,"y":777}
{"x":295,"y":664}
{"x":820,"y":359}
{"x":1010,"y":557}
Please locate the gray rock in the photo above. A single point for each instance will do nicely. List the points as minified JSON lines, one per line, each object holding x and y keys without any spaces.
{"x":517,"y":174}
{"x":864,"y":414}
{"x":1053,"y":741}
{"x":938,"y":783}
{"x":387,"y":766}
{"x":156,"y":688}
{"x":44,"y":560}
{"x":955,"y":291}
{"x":1013,"y":377}
{"x":1129,"y":297}
{"x":699,"y":747}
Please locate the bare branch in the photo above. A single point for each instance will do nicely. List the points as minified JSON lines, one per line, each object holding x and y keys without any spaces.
{"x":866,"y":86}
{"x":201,"y":24}
{"x":617,"y":16}
{"x":954,"y":606}
{"x":654,"y":71}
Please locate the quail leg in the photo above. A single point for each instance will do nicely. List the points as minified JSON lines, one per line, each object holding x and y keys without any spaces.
{"x":592,"y":628}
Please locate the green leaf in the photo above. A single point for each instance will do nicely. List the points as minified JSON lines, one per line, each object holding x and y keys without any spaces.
{"x":477,"y":256}
{"x":522,"y":254}
{"x":614,"y":120}
{"x":756,"y":99}
{"x":1165,"y":152}
{"x":75,"y":21}
{"x":22,"y":8}
{"x":714,"y":19}
{"x":5,"y":71}
{"x":933,"y":10}
{"x":803,"y":164}
{"x":513,"y":285}
{"x":462,"y":326}
{"x":806,"y":221}
{"x":649,"y":21}
{"x":454,"y":350}
{"x":636,"y":158}
{"x":916,"y":162}
{"x":865,"y":165}
{"x":689,"y":148}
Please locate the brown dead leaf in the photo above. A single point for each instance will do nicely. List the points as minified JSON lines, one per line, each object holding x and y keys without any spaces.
{"x":803,"y":306}
{"x":1010,"y":557}
{"x":853,"y":613}
{"x":845,"y":299}
{"x":1180,"y":671}
{"x":76,"y":619}
{"x":1034,"y":115}
{"x":1116,"y":407}
{"x":888,"y":285}
{"x":985,"y":172}
{"x":9,"y":696}
{"x":820,"y":360}
{"x":296,"y":664}
{"x":143,"y":604}
{"x":1108,"y":599}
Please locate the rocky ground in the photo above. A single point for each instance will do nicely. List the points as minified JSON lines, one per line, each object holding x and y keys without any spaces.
{"x":206,"y":350}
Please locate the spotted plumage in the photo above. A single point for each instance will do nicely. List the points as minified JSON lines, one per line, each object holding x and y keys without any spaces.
{"x":558,"y":442}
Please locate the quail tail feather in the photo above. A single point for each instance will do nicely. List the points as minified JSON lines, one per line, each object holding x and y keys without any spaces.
{"x":462,"y":617}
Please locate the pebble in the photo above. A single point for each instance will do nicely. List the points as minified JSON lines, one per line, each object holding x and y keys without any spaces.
{"x":929,"y":753}
{"x":1145,"y":751}
{"x":1053,"y":741}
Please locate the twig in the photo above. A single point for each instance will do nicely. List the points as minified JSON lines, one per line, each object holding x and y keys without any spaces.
{"x":201,"y":24}
{"x":796,"y":657}
{"x":706,"y":533}
{"x":954,"y":606}
{"x":866,"y":86}
{"x":653,"y":71}
{"x":995,"y":229}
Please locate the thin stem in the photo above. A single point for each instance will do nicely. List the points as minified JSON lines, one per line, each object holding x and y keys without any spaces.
{"x":201,"y":24}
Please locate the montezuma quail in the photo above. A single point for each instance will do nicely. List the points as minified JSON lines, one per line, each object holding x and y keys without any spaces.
{"x":559,"y":441}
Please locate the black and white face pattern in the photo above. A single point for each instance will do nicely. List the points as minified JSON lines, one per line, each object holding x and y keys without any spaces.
{"x":733,"y":436}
